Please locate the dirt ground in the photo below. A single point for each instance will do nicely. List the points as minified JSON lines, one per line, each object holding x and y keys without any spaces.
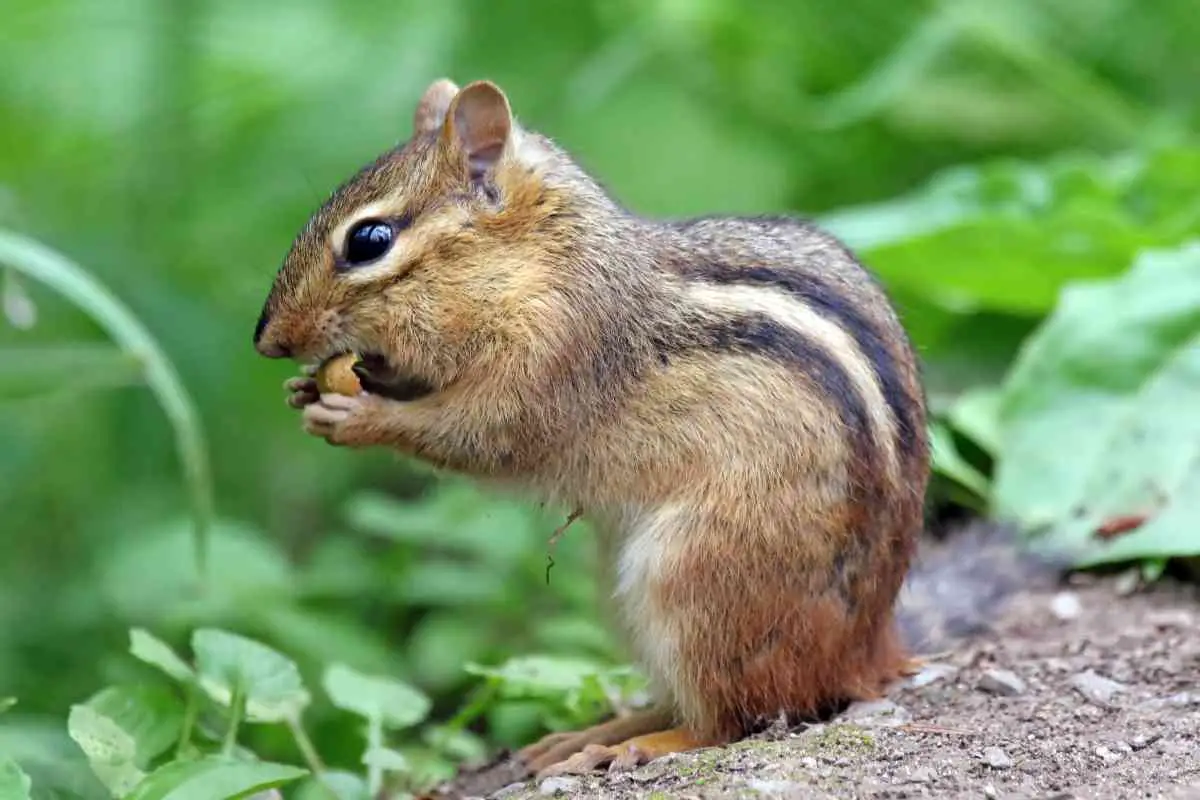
{"x":1083,"y":691}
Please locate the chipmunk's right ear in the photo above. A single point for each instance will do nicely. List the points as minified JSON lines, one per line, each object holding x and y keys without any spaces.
{"x":432,"y":108}
{"x":479,"y":124}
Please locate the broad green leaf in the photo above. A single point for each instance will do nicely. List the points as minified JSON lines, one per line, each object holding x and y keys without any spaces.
{"x":14,"y":783}
{"x":152,"y":577}
{"x":976,"y":415}
{"x":539,"y":676}
{"x":214,"y":778}
{"x":461,"y":745}
{"x":1008,"y":236}
{"x":152,"y":715}
{"x":344,"y":785}
{"x":386,"y":759}
{"x":146,"y":647}
{"x":392,"y":702}
{"x":270,"y":681}
{"x":1099,"y":417}
{"x":32,"y":371}
{"x":949,"y":462}
{"x":111,"y":752}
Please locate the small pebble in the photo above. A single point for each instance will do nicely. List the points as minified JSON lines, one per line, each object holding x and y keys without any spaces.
{"x":996,"y":758}
{"x":877,"y":713}
{"x":1141,"y":741}
{"x":1128,"y":582}
{"x":1096,"y":688}
{"x":774,"y":788}
{"x":1066,"y":606}
{"x":931,"y":673}
{"x":557,"y":785}
{"x":989,"y":792}
{"x":1107,"y":755}
{"x":921,"y":775}
{"x":1001,"y":682}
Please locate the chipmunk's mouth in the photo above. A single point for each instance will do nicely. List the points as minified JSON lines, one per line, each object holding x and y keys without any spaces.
{"x":376,"y":375}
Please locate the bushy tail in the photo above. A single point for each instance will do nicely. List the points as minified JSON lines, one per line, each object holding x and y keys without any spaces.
{"x":960,"y":586}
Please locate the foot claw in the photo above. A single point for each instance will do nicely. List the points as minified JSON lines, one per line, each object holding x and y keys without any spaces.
{"x":586,"y":761}
{"x":629,"y":757}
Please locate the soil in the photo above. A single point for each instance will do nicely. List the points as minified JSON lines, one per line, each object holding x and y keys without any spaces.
{"x":1081,"y":691}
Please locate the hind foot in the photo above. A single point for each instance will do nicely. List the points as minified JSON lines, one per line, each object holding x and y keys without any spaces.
{"x":626,"y":755}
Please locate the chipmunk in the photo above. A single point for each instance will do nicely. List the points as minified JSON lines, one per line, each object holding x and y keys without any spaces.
{"x":734,"y":401}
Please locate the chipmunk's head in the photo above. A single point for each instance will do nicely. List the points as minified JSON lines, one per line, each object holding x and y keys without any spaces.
{"x":437,"y":260}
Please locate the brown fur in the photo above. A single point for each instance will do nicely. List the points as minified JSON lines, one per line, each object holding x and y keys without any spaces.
{"x":734,"y":400}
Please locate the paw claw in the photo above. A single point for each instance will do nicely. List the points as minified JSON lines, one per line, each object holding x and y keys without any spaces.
{"x":586,"y":761}
{"x":629,"y":758}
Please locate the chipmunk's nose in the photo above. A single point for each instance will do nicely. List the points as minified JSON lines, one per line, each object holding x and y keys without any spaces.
{"x":265,"y":342}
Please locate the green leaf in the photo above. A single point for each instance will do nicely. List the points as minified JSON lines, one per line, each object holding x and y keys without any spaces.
{"x":385,"y":759}
{"x":392,"y":702}
{"x":976,"y":415}
{"x":111,"y":752}
{"x":539,"y":676}
{"x":1009,"y":236}
{"x":271,"y":682}
{"x":1099,"y":416}
{"x":152,"y":715}
{"x":150,"y":576}
{"x":345,"y":786}
{"x":214,"y":778}
{"x":157,"y":653}
{"x":63,"y":276}
{"x":32,"y":371}
{"x":14,"y":784}
{"x":461,"y":745}
{"x":949,"y":462}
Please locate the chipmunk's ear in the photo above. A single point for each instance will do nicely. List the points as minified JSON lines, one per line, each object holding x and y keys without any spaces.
{"x":432,"y":108}
{"x":478,"y":124}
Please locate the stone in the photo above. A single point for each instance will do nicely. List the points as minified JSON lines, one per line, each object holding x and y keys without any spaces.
{"x":930,"y":673}
{"x":921,"y":775}
{"x":1096,"y":688}
{"x":1066,"y":606}
{"x":1001,"y":682}
{"x":996,"y":758}
{"x":775,"y":788}
{"x":876,"y":713}
{"x":558,"y":785}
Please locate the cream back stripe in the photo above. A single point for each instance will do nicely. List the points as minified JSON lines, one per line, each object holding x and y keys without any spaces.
{"x":823,"y":332}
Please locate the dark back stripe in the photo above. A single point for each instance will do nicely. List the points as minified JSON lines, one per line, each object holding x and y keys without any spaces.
{"x":865,"y":504}
{"x":831,"y":304}
{"x":759,"y":334}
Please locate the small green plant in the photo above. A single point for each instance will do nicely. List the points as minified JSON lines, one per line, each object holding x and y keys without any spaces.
{"x":180,"y":739}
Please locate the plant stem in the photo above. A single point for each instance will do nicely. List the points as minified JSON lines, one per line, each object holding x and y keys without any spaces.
{"x":189,"y":719}
{"x":374,"y":740}
{"x":235,"y":720}
{"x":311,"y":756}
{"x":72,"y":282}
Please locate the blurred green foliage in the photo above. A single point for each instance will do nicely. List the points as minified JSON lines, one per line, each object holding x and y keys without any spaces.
{"x":984,"y":158}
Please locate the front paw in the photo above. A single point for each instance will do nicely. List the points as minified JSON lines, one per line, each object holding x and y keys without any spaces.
{"x":345,"y":421}
{"x":302,"y":392}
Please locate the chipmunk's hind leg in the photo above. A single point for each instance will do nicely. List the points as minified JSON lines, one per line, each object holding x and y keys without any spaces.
{"x":618,"y":752}
{"x":556,"y":748}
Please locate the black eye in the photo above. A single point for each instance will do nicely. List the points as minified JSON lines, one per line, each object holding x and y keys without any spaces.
{"x":367,"y":241}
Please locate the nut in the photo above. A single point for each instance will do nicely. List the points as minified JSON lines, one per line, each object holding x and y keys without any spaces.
{"x":336,"y":376}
